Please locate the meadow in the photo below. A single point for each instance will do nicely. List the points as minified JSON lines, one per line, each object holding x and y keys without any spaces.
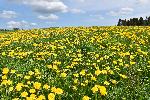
{"x":76,"y":63}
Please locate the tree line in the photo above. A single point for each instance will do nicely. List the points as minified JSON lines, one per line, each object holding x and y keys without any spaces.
{"x":134,"y":22}
{"x":14,"y":29}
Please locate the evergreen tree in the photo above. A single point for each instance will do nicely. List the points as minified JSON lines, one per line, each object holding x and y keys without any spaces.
{"x":141,"y":21}
{"x":119,"y":22}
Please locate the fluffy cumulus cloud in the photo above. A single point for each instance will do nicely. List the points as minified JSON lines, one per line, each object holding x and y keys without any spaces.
{"x":49,"y":17}
{"x":7,"y":14}
{"x":45,"y":6}
{"x":122,"y":11}
{"x":20,"y":24}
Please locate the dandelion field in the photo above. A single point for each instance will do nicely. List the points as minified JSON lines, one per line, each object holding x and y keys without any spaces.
{"x":75,"y":63}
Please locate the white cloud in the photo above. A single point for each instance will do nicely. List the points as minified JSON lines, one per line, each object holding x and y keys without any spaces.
{"x":143,"y":1}
{"x":45,"y":6}
{"x":49,"y":17}
{"x":122,"y":11}
{"x":7,"y":14}
{"x":19,"y":24}
{"x":76,"y":11}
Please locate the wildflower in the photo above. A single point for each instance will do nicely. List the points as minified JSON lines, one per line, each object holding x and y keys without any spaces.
{"x":4,"y":82}
{"x":27,"y":77}
{"x":32,"y":90}
{"x":93,"y":78}
{"x":18,"y":75}
{"x":53,"y":89}
{"x":114,"y":81}
{"x":59,"y":91}
{"x":5,"y":70}
{"x":51,"y":96}
{"x":33,"y":96}
{"x":115,"y":62}
{"x":63,"y":74}
{"x":4,"y":77}
{"x":82,"y":72}
{"x":123,"y":76}
{"x":132,"y":63}
{"x":102,"y":90}
{"x":18,"y":87}
{"x":28,"y":82}
{"x":11,"y":88}
{"x":46,"y":86}
{"x":3,"y":53}
{"x":24,"y":94}
{"x":12,"y":71}
{"x":41,"y":97}
{"x":76,"y":75}
{"x":94,"y":89}
{"x":15,"y":99}
{"x":104,"y":71}
{"x":9,"y":82}
{"x":76,"y":81}
{"x":86,"y":98}
{"x":37,"y":85}
{"x":97,"y":72}
{"x":82,"y":84}
{"x":31,"y":73}
{"x":86,"y":81}
{"x":49,"y":66}
{"x":74,"y":88}
{"x":106,"y":83}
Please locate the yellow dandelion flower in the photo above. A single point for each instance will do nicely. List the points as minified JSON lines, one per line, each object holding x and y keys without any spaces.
{"x":33,"y":96}
{"x":93,"y":78}
{"x":5,"y":70}
{"x":41,"y":97}
{"x":104,"y":71}
{"x":82,"y":72}
{"x":63,"y":75}
{"x":97,"y":72}
{"x":59,"y":91}
{"x":4,"y":77}
{"x":53,"y":89}
{"x":24,"y":94}
{"x":32,"y":90}
{"x":94,"y":89}
{"x":31,"y":73}
{"x":86,"y":98}
{"x":51,"y":96}
{"x":18,"y":87}
{"x":76,"y":81}
{"x":37,"y":85}
{"x":46,"y":86}
{"x":103,"y":91}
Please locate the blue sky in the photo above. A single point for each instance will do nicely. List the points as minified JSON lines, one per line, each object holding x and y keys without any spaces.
{"x":50,"y":13}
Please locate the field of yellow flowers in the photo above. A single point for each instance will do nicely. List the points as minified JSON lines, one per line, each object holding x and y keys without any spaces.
{"x":75,"y":63}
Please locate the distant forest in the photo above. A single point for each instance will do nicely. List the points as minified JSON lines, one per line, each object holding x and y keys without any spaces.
{"x":135,"y":22}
